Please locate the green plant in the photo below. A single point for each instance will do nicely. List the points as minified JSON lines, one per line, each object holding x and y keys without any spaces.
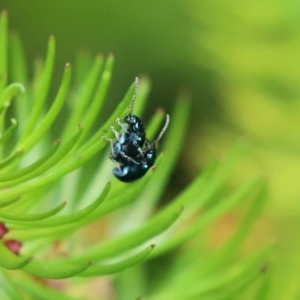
{"x":52,"y":189}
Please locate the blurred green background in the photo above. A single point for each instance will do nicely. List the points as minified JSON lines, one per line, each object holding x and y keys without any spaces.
{"x":240,"y":62}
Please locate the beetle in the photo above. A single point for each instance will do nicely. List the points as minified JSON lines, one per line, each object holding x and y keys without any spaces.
{"x":142,"y":162}
{"x":129,"y":142}
{"x":131,"y":150}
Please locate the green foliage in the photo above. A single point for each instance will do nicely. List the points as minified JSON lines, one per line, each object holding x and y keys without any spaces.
{"x":52,"y":189}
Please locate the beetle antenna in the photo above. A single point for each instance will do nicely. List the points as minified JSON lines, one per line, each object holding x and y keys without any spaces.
{"x":136,"y":87}
{"x":163,"y":129}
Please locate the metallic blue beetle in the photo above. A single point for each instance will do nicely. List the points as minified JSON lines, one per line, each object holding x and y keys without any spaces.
{"x":131,"y":150}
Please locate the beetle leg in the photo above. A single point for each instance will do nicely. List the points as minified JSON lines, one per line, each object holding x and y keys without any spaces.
{"x":111,"y":142}
{"x":122,"y":125}
{"x":138,"y":148}
{"x":116,"y":133}
{"x":128,"y":158}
